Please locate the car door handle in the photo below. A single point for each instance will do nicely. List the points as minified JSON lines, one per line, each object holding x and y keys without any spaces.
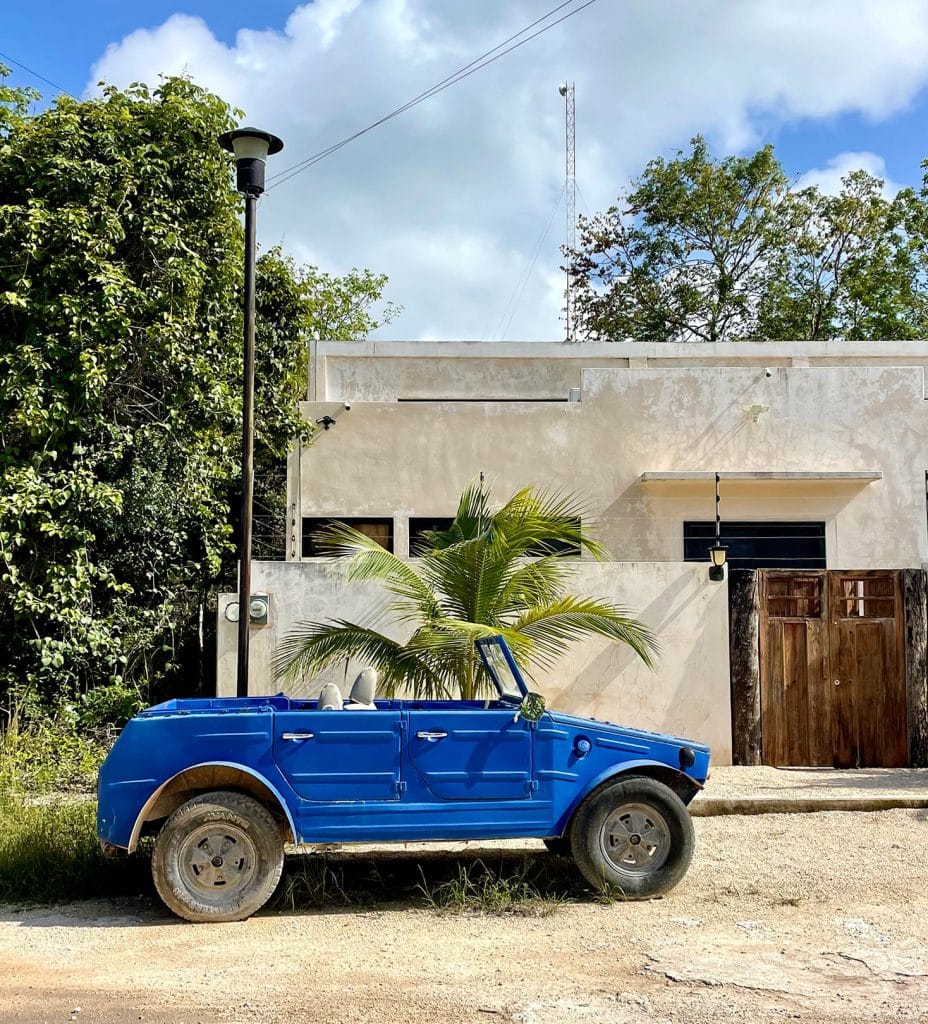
{"x":296,"y":736}
{"x":431,"y":736}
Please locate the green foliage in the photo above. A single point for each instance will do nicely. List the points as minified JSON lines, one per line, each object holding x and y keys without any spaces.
{"x":53,"y":753}
{"x":476,"y":579}
{"x":49,"y":852}
{"x":725,"y":250}
{"x":120,"y":385}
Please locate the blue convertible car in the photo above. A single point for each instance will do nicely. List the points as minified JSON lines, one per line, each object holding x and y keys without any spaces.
{"x":225,"y":783}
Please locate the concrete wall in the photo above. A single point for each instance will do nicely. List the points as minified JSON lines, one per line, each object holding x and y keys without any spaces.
{"x":849,"y":443}
{"x":688,"y":694}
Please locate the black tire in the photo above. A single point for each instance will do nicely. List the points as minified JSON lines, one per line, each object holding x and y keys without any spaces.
{"x":559,"y":846}
{"x":633,"y":837}
{"x":218,"y":858}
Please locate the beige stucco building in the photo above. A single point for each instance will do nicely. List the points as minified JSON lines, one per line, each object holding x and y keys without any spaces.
{"x":822,"y":450}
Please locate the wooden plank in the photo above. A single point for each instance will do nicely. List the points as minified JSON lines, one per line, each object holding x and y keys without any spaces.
{"x":774,"y":745}
{"x":915,"y":589}
{"x":870,"y":682}
{"x":897,"y":751}
{"x":820,"y":686}
{"x":795,"y":693}
{"x":841,"y":642}
{"x":744,"y":658}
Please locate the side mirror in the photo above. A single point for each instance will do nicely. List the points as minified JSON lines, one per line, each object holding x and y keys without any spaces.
{"x":531,"y":708}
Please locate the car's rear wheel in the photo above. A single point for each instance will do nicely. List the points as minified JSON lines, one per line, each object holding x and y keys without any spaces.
{"x":634,"y":837}
{"x":218,"y":858}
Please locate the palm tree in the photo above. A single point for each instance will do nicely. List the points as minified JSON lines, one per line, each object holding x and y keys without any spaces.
{"x":491,"y":572}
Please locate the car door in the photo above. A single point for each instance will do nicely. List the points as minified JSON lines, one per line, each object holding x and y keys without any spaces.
{"x":471,"y":753}
{"x":340,"y":755}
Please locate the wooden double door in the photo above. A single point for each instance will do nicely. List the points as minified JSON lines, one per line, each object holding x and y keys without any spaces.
{"x":832,"y":668}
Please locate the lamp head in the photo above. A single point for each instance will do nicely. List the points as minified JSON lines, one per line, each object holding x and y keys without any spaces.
{"x":717,"y":556}
{"x":251,"y":147}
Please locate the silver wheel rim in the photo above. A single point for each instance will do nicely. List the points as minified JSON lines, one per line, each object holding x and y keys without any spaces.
{"x":635,"y":839}
{"x":217,"y":862}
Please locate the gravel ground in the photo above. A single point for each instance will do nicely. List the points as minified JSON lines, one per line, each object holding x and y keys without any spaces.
{"x":811,"y":917}
{"x":738,"y":782}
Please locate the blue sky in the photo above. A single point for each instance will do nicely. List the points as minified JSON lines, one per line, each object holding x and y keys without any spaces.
{"x":451,"y":200}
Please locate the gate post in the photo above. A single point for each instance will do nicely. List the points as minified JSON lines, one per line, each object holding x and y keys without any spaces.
{"x":744,"y":654}
{"x":915,"y":595}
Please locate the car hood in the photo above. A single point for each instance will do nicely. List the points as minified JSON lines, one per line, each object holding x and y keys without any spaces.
{"x":635,"y":738}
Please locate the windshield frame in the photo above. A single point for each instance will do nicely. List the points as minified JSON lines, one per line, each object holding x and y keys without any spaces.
{"x":502,"y":669}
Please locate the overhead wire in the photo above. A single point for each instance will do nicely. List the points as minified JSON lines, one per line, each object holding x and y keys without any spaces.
{"x":512,"y":305}
{"x":35,"y":74}
{"x":477,"y":64}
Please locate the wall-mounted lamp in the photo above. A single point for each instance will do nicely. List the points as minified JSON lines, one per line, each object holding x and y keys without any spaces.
{"x":718,"y":551}
{"x":755,"y":411}
{"x":717,"y":554}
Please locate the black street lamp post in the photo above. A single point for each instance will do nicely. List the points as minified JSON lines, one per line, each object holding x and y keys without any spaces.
{"x":251,"y":148}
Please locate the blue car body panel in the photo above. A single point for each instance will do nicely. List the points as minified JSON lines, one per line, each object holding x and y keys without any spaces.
{"x":407,"y":770}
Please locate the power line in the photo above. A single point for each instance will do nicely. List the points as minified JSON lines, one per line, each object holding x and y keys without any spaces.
{"x":35,"y":74}
{"x":484,"y":60}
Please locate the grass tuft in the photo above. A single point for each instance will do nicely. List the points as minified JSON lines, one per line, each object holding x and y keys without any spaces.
{"x":477,"y":889}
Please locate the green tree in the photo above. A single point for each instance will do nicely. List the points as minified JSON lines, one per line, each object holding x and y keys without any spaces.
{"x":502,"y":571}
{"x":726,"y":250}
{"x":120,"y":370}
{"x":847,"y":269}
{"x":685,"y":253}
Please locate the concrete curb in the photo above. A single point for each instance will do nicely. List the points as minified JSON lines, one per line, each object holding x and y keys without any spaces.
{"x":709,"y":807}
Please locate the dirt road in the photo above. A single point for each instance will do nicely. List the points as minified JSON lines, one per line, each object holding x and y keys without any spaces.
{"x":810,"y":917}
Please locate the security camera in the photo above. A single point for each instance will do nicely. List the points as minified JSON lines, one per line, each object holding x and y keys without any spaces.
{"x":768,"y":372}
{"x":562,"y":89}
{"x":347,"y":406}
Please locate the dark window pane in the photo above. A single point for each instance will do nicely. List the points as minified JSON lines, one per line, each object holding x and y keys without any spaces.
{"x":314,"y":540}
{"x":753,"y":545}
{"x":418,"y":525}
{"x":794,"y":597}
{"x":557,"y":547}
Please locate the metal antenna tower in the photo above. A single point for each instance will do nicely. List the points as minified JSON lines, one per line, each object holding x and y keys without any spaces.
{"x":567,"y":90}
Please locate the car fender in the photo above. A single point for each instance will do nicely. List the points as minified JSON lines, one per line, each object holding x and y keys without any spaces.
{"x":616,"y":772}
{"x":153,"y":799}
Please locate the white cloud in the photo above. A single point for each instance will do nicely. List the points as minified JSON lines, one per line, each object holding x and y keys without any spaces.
{"x":829,"y":178}
{"x":450,"y":199}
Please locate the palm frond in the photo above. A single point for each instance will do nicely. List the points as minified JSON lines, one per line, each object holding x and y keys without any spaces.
{"x":313,"y":646}
{"x":363,"y":558}
{"x":555,"y":627}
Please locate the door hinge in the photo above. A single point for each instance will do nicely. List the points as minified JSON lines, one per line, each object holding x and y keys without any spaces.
{"x":533,"y":785}
{"x":399,"y":786}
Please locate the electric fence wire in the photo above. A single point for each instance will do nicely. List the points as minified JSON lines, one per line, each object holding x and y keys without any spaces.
{"x":477,"y":64}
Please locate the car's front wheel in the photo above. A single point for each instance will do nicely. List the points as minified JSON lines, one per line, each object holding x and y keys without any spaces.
{"x":634,"y":837}
{"x":218,"y":858}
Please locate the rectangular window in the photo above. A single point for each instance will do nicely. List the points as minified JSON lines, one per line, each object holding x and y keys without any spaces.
{"x":794,"y":597}
{"x":418,"y":525}
{"x":867,"y":598}
{"x":379,"y":529}
{"x":558,"y":547}
{"x":753,"y":545}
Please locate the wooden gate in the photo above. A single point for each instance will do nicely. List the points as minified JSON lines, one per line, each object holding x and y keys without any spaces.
{"x":832,"y":668}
